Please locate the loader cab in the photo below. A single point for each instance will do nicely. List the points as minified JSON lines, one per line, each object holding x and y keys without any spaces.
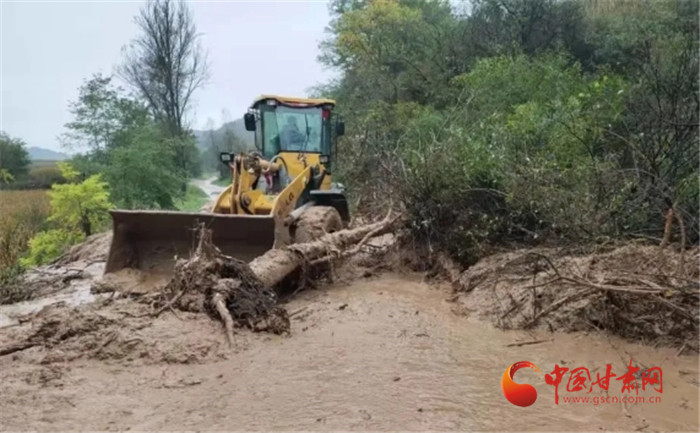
{"x":296,"y":127}
{"x":291,"y":171}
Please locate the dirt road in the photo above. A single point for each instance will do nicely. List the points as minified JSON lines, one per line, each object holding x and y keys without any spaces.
{"x":385,"y":352}
{"x":208,"y":186}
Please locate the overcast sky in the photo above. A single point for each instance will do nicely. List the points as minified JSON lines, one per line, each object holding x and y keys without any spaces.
{"x":49,"y":48}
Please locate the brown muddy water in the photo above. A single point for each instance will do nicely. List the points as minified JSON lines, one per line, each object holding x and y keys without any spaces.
{"x":384,"y":353}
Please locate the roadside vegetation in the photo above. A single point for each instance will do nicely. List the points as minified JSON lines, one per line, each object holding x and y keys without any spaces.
{"x":193,"y":200}
{"x":78,"y":210}
{"x":136,"y":150}
{"x":520,"y":122}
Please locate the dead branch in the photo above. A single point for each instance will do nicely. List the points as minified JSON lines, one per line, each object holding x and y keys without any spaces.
{"x":668,"y":225}
{"x":527,"y":343}
{"x":169,"y":305}
{"x":627,"y":291}
{"x":681,"y":225}
{"x":273,"y":266}
{"x":17,"y":347}
{"x":554,"y":306}
{"x":356,"y":249}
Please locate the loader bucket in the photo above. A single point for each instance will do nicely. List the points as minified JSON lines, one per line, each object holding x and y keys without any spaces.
{"x":152,"y":240}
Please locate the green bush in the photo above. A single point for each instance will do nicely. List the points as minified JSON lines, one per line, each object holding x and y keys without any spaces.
{"x":80,"y":207}
{"x":523,"y":165}
{"x":42,"y":177}
{"x":49,"y":245}
{"x":519,"y":121}
{"x":141,"y":174}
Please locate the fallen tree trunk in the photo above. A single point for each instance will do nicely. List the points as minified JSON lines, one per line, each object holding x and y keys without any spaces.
{"x":242,"y":294}
{"x":273,"y":266}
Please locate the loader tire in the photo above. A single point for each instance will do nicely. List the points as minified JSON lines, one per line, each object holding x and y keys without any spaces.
{"x":315,"y":222}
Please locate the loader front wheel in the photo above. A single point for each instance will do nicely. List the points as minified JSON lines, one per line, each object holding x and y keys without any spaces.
{"x":315,"y":222}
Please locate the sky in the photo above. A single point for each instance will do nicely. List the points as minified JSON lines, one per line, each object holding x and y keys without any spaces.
{"x":48,"y":48}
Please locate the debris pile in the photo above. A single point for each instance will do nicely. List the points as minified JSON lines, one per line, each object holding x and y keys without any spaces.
{"x":128,"y":324}
{"x":113,"y":330}
{"x":222,"y":286}
{"x":642,"y":293}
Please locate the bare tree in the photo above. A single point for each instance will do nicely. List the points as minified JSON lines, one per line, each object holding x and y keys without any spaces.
{"x":166,"y":63}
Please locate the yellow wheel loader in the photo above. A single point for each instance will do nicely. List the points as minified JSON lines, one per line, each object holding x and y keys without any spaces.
{"x":279,"y":194}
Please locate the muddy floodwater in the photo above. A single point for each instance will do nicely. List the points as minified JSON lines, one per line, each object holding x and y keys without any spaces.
{"x":387,"y":352}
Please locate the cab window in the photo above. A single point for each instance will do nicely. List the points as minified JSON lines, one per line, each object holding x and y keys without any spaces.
{"x":287,"y":129}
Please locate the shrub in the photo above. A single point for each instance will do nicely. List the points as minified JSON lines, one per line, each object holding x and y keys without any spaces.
{"x":524,"y":165}
{"x":79,"y":207}
{"x":43,"y":177}
{"x":141,"y":175}
{"x":49,"y":245}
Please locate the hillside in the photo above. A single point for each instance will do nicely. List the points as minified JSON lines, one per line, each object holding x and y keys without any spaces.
{"x":230,"y":136}
{"x":42,"y":154}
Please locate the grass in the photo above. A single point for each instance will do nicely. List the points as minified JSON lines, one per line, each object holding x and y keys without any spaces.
{"x":193,"y":200}
{"x":22,"y":214}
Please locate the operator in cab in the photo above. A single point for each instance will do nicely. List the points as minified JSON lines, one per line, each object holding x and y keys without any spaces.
{"x":292,"y":139}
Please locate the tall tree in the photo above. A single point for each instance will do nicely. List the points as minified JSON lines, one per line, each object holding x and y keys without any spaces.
{"x":166,"y":64}
{"x":14,"y":159}
{"x":101,"y":115}
{"x":126,"y":145}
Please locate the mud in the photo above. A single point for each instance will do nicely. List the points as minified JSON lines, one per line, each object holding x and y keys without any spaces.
{"x":53,"y":284}
{"x":94,"y":249}
{"x":376,"y":353}
{"x":114,"y":331}
{"x":371,"y":350}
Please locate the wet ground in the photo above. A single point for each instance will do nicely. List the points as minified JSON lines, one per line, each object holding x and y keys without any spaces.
{"x":76,"y":292}
{"x":379,"y":353}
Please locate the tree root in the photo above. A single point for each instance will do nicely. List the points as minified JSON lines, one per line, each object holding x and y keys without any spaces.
{"x":223,"y":287}
{"x":219,"y":302}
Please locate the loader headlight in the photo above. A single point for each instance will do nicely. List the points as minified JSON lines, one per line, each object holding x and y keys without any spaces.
{"x":324,"y":159}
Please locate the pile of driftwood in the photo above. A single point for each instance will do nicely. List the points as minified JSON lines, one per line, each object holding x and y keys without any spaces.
{"x":241,"y":294}
{"x":644,"y":293}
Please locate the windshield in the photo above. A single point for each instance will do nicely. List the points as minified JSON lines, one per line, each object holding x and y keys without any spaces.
{"x":289,"y":129}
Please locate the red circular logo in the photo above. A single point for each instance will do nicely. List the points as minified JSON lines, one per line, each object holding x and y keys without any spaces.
{"x":518,"y":394}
